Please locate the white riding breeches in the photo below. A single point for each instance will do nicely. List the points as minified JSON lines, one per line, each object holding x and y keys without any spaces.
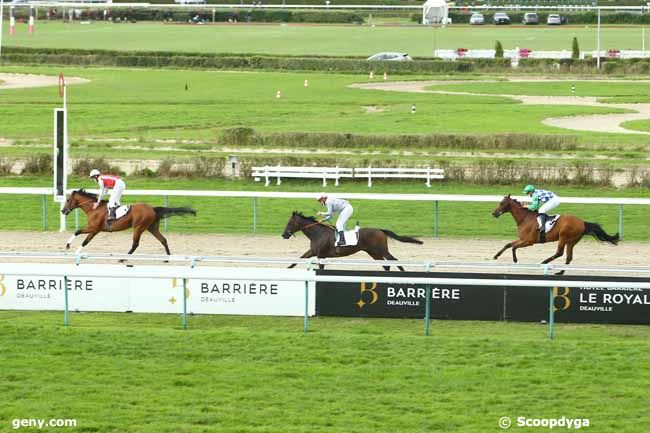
{"x":116,"y":193}
{"x":345,"y":214}
{"x":551,"y":204}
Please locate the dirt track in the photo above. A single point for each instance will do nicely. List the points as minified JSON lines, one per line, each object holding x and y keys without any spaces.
{"x":587,"y":252}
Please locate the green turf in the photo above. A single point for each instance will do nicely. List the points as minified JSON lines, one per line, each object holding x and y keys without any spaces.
{"x":235,"y":215}
{"x":639,"y":125}
{"x":147,"y":105}
{"x":554,"y":88}
{"x":315,"y":39}
{"x":141,"y":373}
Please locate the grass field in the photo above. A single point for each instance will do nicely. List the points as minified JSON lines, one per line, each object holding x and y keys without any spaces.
{"x":232,"y":215}
{"x":140,"y":373}
{"x":144,"y":106}
{"x":314,"y":39}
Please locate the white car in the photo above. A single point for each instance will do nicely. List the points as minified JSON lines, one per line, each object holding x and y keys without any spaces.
{"x":554,"y":20}
{"x":389,"y":57}
{"x":477,"y":19}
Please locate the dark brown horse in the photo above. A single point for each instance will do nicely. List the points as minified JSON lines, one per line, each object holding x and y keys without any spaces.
{"x":567,"y":231}
{"x":141,"y":217}
{"x":372,"y":241}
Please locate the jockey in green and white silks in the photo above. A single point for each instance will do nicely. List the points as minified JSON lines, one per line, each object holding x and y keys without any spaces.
{"x":543,"y":201}
{"x":340,"y":206}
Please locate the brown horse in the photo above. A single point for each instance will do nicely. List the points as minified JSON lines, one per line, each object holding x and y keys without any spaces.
{"x":372,"y":241}
{"x":568,"y":230}
{"x":141,"y":217}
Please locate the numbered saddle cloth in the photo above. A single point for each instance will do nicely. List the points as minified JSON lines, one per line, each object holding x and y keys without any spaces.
{"x":121,"y":211}
{"x":550,"y":222}
{"x":351,"y":237}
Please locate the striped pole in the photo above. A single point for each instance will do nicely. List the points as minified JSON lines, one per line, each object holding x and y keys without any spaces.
{"x":12,"y":22}
{"x":31,"y":20}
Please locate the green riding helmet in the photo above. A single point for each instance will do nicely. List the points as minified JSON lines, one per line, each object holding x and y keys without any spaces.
{"x":529,"y":188}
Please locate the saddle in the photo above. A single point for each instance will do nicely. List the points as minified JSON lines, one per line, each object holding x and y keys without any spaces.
{"x":120,"y":211}
{"x":550,"y":222}
{"x":351,"y":237}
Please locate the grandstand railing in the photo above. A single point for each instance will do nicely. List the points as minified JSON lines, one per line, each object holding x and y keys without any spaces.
{"x":73,"y":270}
{"x":434,"y":198}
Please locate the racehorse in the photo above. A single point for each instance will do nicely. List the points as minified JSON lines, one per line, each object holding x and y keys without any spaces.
{"x":567,"y":231}
{"x":141,"y":217}
{"x":322,"y":238}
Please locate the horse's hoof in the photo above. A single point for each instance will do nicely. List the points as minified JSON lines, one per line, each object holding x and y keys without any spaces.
{"x":559,"y":273}
{"x":67,"y":246}
{"x":129,"y":266}
{"x":495,"y":257}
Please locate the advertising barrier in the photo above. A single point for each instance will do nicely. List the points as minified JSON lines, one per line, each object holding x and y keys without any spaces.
{"x":458,"y":302}
{"x":214,"y":291}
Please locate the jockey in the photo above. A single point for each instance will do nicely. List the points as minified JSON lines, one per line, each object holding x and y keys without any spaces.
{"x":340,"y":206}
{"x":543,"y":201}
{"x":106,"y":182}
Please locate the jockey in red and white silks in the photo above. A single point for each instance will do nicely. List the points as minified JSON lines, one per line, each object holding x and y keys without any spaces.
{"x":340,"y":206}
{"x":106,"y":182}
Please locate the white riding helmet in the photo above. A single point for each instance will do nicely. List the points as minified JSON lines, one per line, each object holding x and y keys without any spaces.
{"x":94,"y":172}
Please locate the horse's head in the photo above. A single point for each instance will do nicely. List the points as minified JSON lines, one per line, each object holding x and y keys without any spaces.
{"x":71,"y":203}
{"x":504,"y":206}
{"x":296,"y":222}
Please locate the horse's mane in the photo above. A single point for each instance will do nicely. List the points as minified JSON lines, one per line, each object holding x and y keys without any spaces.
{"x":301,"y":215}
{"x":86,"y":194}
{"x":521,"y":205}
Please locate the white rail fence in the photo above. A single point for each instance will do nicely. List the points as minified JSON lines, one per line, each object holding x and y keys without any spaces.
{"x":75,"y":268}
{"x":523,"y":53}
{"x":254,"y":195}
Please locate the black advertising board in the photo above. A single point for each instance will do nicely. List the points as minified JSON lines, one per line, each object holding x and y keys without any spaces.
{"x":468,"y":302}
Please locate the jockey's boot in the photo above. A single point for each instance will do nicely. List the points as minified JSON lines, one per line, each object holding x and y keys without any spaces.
{"x":111,"y":213}
{"x":341,"y":242}
{"x":542,"y":229}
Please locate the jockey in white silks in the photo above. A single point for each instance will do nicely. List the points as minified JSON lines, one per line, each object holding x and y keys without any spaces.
{"x":340,"y":206}
{"x":106,"y":182}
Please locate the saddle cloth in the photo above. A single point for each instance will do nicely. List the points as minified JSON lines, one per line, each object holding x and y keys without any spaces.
{"x":351,"y":237}
{"x":121,"y":211}
{"x":550,"y":222}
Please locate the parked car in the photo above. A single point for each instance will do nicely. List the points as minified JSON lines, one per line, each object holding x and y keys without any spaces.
{"x":554,"y":20}
{"x":501,"y":18}
{"x":477,"y":19}
{"x":390,"y":57}
{"x":530,"y":18}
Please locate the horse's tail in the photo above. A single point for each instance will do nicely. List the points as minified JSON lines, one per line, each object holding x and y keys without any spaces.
{"x":597,"y":231}
{"x":164,"y":212}
{"x":402,"y":238}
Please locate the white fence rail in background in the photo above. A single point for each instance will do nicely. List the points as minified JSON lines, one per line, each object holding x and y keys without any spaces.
{"x":519,"y":54}
{"x":434,"y":198}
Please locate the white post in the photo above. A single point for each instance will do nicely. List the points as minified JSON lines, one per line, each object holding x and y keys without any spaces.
{"x":2,"y":7}
{"x":369,"y":177}
{"x":279,"y":180}
{"x":266,"y":176}
{"x":598,"y":41}
{"x":429,"y":177}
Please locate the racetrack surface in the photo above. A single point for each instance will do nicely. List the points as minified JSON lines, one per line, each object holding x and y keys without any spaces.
{"x":587,"y":252}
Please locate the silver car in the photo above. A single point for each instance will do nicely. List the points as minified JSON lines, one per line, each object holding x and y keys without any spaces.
{"x":554,"y":20}
{"x":477,"y":19}
{"x":399,"y":57}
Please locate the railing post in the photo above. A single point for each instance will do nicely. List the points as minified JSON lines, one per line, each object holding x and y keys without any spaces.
{"x":254,"y":215}
{"x":184,"y":303}
{"x":305,"y":326}
{"x":66,"y":319}
{"x":435,"y":219}
{"x":165,"y":227}
{"x":620,"y":221}
{"x":427,"y":304}
{"x":44,"y":212}
{"x":551,"y":309}
{"x":76,"y":219}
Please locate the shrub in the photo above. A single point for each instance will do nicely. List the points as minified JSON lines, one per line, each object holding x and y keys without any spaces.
{"x":82,"y":167}
{"x":5,"y":166}
{"x":38,"y":164}
{"x":575,"y":49}
{"x":498,"y":48}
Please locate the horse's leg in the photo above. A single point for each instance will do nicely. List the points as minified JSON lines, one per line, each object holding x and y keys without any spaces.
{"x":508,"y":245}
{"x":519,"y":244}
{"x":137,"y":233}
{"x":389,"y":256}
{"x":569,"y":255}
{"x":155,"y":231}
{"x":306,"y":255}
{"x":378,"y":256}
{"x":558,"y":253}
{"x":86,"y":241}
{"x":76,"y":233}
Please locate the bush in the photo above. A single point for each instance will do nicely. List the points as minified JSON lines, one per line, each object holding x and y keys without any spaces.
{"x":498,"y":50}
{"x":5,"y":166}
{"x":40,"y":164}
{"x":82,"y":167}
{"x":202,"y":166}
{"x":575,"y":49}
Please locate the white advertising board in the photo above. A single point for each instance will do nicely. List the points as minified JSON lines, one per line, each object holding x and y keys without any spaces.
{"x":155,"y":289}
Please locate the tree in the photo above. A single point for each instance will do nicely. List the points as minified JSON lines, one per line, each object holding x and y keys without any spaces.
{"x":575,"y":50}
{"x":498,"y":50}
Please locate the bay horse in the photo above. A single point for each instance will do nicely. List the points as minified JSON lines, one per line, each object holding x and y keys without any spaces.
{"x":322,"y":238}
{"x":141,"y":217}
{"x":567,"y":231}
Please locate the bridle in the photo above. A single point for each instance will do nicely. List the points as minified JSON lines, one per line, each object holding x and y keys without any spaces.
{"x":79,"y":204}
{"x":307,"y":226}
